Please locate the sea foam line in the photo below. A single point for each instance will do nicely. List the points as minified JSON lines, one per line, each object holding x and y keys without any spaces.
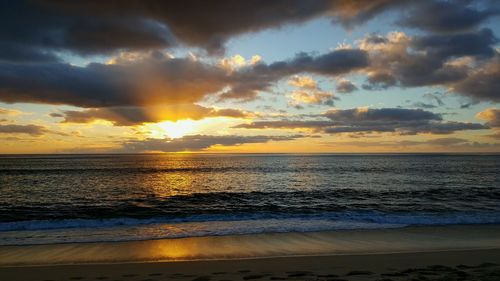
{"x":360,"y":217}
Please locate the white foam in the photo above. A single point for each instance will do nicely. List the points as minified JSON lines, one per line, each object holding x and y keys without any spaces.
{"x":126,"y":229}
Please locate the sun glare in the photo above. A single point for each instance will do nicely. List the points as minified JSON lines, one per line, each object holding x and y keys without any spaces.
{"x":181,"y":128}
{"x":174,"y":130}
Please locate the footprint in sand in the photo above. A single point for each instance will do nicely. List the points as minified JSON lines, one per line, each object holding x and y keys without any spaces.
{"x":250,"y":277}
{"x":298,"y":273}
{"x":202,"y":278}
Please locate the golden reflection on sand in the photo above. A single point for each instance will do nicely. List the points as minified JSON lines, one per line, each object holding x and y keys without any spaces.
{"x":261,"y":245}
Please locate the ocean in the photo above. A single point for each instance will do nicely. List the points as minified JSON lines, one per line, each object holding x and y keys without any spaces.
{"x":48,"y":199}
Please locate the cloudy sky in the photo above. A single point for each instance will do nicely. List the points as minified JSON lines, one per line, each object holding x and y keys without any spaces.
{"x":249,"y":76}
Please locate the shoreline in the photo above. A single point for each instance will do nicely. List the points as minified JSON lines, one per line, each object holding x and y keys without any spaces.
{"x":414,"y":239}
{"x":459,"y":252}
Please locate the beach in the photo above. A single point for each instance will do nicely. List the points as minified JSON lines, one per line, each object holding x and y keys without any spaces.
{"x":456,"y":265}
{"x":414,"y":253}
{"x":325,"y":140}
{"x":250,"y":217}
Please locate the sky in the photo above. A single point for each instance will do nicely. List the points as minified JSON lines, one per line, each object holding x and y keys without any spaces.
{"x":257,"y":76}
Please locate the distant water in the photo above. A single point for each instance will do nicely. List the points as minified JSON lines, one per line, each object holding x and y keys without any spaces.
{"x":75,"y":198}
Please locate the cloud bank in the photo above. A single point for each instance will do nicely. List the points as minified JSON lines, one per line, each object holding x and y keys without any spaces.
{"x":197,"y":142}
{"x":372,"y":120}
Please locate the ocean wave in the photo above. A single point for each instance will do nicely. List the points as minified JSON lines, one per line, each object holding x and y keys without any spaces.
{"x":108,"y":198}
{"x":256,"y":204}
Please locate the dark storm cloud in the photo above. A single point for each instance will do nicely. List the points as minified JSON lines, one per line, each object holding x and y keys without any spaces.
{"x":99,"y":27}
{"x":396,"y":120}
{"x":33,"y":130}
{"x":198,"y":142}
{"x":156,"y":80}
{"x":380,"y":114}
{"x":428,"y":66}
{"x":379,"y":81}
{"x":130,"y":116}
{"x":407,"y":129}
{"x":57,"y":83}
{"x":439,"y":128}
{"x":47,"y":26}
{"x":482,"y":83}
{"x":357,"y":12}
{"x":23,"y":53}
{"x":403,"y":121}
{"x":427,"y":73}
{"x":261,"y":76}
{"x":332,"y":63}
{"x":401,"y":128}
{"x":447,"y":16}
{"x":122,"y":116}
{"x":35,"y":31}
{"x":207,"y":24}
{"x":442,"y":47}
{"x":100,"y":85}
{"x":102,"y":27}
{"x":436,"y":16}
{"x":466,"y":62}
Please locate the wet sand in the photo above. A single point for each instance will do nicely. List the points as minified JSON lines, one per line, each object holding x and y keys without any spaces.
{"x":416,"y":253}
{"x":455,"y":265}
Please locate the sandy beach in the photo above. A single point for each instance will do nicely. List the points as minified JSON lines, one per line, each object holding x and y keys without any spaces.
{"x":452,"y":265}
{"x":413,"y":253}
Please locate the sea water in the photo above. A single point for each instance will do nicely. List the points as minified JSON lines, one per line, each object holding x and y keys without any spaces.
{"x":47,"y":199}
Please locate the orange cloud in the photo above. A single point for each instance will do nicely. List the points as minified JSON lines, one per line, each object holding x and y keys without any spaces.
{"x":129,"y":116}
{"x":491,"y":115}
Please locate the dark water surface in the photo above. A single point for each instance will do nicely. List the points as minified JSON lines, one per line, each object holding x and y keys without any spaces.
{"x":81,"y":198}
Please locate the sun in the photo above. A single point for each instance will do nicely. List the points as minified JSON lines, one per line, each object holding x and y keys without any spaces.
{"x":176,"y":129}
{"x":181,"y":128}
